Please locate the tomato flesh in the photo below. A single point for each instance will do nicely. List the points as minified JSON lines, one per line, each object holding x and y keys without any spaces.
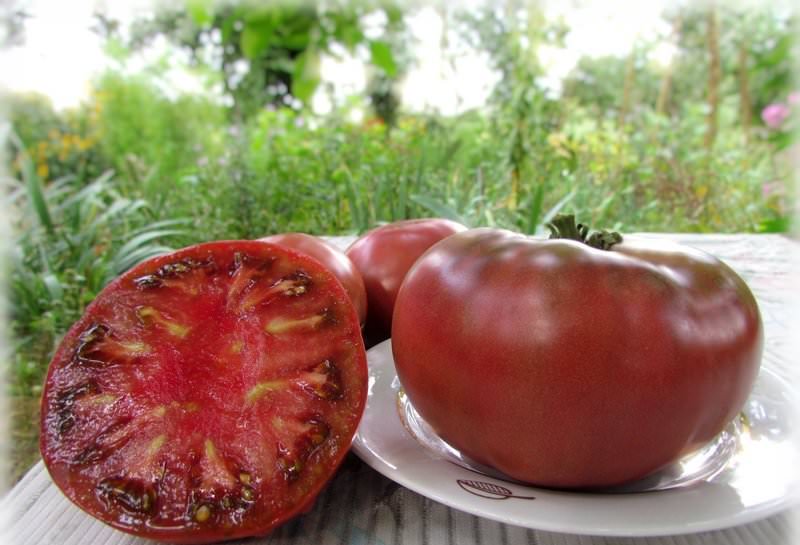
{"x":206,"y":395}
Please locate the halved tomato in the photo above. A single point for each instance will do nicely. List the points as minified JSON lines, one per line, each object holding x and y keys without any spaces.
{"x":206,"y":395}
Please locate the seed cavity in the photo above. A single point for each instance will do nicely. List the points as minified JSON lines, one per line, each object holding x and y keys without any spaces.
{"x":279,"y":326}
{"x":106,"y":442}
{"x":164,"y":276}
{"x":65,"y":400}
{"x":149,"y":316}
{"x":246,"y":271}
{"x":97,"y":347}
{"x":311,"y":435}
{"x":89,"y":339}
{"x":323,"y":380}
{"x":291,"y":466}
{"x":132,"y":495}
{"x":292,"y":285}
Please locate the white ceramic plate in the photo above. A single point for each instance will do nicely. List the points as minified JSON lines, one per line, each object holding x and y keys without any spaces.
{"x":745,"y":475}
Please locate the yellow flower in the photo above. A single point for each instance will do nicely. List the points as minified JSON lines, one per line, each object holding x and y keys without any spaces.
{"x":559,"y":142}
{"x":42,"y":170}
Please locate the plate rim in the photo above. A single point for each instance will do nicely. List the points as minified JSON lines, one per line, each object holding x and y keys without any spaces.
{"x":746,"y":515}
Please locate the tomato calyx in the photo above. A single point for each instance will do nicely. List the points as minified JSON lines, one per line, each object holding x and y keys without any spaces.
{"x":564,"y":226}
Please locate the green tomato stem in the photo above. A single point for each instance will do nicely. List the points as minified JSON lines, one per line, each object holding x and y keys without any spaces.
{"x":564,"y":226}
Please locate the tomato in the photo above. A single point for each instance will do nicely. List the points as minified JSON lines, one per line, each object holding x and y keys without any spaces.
{"x":207,"y":394}
{"x":384,"y":255}
{"x":334,"y":259}
{"x":566,"y":365}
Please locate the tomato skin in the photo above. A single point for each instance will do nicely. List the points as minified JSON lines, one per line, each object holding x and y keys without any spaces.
{"x":148,"y":400}
{"x":567,"y":366}
{"x":384,"y":255}
{"x":332,"y":258}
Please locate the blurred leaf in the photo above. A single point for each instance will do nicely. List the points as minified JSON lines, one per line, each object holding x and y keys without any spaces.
{"x":439,"y":209}
{"x":775,"y":225}
{"x":33,"y":185}
{"x":54,"y":287}
{"x":550,"y":214}
{"x":134,"y":246}
{"x":305,"y":77}
{"x":256,"y":37}
{"x":200,"y":11}
{"x":116,"y":50}
{"x":298,"y":40}
{"x":358,"y":211}
{"x":781,"y":139}
{"x":382,"y":57}
{"x":349,"y":34}
{"x":122,"y":263}
{"x":535,"y":208}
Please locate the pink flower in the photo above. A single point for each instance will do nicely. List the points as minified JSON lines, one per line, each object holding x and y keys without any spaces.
{"x":775,"y":114}
{"x":794,"y":98}
{"x":769,"y":189}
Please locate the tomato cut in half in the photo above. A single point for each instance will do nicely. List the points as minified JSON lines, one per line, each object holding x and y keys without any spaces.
{"x":206,"y":395}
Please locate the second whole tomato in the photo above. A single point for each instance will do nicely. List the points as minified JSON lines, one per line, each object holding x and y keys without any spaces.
{"x":574,"y":363}
{"x":384,"y":255}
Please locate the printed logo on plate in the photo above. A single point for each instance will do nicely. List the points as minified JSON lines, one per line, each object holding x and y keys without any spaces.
{"x":490,"y":490}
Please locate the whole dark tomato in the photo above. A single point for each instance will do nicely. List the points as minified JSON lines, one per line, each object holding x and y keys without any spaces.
{"x":567,"y":365}
{"x":207,"y":394}
{"x":334,"y":259}
{"x":384,"y":255}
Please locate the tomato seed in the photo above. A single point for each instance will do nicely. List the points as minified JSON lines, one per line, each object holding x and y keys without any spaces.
{"x":131,"y":494}
{"x":203,"y":513}
{"x":148,"y":316}
{"x":323,"y":381}
{"x":279,"y":326}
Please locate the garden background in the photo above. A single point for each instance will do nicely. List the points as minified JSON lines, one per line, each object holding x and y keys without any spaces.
{"x":690,"y":128}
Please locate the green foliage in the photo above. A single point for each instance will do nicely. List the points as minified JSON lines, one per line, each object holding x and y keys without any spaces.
{"x":72,"y":238}
{"x":57,"y":144}
{"x":597,"y":82}
{"x":269,"y":53}
{"x":150,"y":138}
